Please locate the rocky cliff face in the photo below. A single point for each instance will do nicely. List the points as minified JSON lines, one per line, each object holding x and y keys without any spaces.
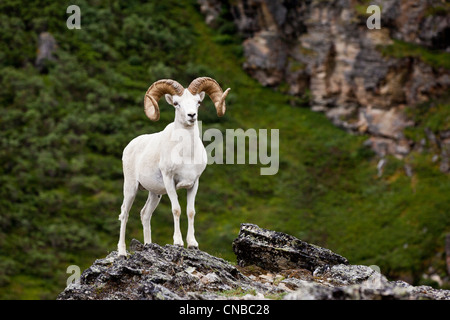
{"x":324,"y":49}
{"x":271,"y":265}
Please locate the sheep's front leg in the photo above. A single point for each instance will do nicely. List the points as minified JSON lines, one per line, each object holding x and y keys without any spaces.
{"x":191,"y":193}
{"x":169,"y":183}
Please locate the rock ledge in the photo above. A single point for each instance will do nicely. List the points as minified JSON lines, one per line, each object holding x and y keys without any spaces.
{"x":271,"y":265}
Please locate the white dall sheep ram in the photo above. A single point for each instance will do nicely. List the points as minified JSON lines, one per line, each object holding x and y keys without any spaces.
{"x":166,"y":161}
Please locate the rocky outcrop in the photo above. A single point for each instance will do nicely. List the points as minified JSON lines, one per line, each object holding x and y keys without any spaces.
{"x":157,"y":273}
{"x":272,"y":265}
{"x":324,"y":49}
{"x":275,"y":251}
{"x":45,"y":52}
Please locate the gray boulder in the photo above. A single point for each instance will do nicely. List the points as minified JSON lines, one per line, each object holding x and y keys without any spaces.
{"x":276,"y":251}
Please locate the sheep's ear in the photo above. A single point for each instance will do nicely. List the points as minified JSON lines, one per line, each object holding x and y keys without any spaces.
{"x":169,"y":98}
{"x":202,"y":95}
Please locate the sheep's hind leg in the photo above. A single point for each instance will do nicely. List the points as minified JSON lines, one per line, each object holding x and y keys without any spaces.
{"x":129,"y":193}
{"x":146,"y":215}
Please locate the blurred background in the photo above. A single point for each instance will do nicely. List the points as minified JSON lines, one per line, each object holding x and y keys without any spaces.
{"x":364,"y":120}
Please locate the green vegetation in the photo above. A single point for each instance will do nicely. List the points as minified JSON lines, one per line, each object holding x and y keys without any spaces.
{"x":64,"y":129}
{"x":438,"y":9}
{"x":361,"y":6}
{"x":401,"y":49}
{"x":238,"y":292}
{"x":433,"y":115}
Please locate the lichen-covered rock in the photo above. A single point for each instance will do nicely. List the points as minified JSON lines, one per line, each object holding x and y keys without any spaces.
{"x":353,"y":282}
{"x":277,"y":251}
{"x":46,"y":48}
{"x":161,"y":273}
{"x":344,"y":275}
{"x":272,"y":265}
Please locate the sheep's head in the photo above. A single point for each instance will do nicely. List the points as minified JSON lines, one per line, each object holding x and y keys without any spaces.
{"x":186,"y":106}
{"x":186,"y":101}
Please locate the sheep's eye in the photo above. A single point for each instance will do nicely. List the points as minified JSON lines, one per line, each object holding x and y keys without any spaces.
{"x":175,"y":104}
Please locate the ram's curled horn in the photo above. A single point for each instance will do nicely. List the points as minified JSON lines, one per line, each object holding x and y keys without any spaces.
{"x":213,"y":90}
{"x":155,"y":92}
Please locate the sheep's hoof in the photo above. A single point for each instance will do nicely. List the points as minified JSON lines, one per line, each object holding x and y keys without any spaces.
{"x":122,"y":257}
{"x":193,"y":247}
{"x":121,"y":251}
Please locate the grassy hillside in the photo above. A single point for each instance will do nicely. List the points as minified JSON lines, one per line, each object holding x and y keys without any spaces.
{"x":63,"y":131}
